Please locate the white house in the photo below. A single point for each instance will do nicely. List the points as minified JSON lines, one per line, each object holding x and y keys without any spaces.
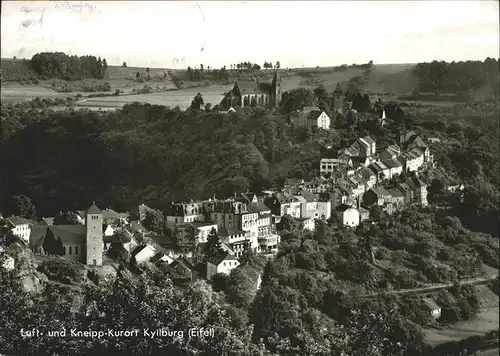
{"x":329,"y":165}
{"x":20,"y":227}
{"x":325,"y":209}
{"x":109,"y":230}
{"x":204,"y":228}
{"x":323,"y":121}
{"x":307,"y":223}
{"x":395,"y":167}
{"x":347,"y":215}
{"x":6,"y":262}
{"x":143,"y":254}
{"x":434,"y":309}
{"x":223,"y":263}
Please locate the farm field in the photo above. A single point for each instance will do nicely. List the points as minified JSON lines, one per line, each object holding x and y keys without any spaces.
{"x":487,"y":320}
{"x":182,"y":98}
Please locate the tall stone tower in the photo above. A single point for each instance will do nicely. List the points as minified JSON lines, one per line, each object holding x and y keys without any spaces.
{"x":338,"y":101}
{"x":93,"y":234}
{"x":277,"y":90}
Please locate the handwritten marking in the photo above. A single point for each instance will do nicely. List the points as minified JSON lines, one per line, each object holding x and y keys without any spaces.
{"x":72,"y":6}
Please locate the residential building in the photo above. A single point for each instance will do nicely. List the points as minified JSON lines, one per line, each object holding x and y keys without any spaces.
{"x":109,"y":230}
{"x":235,"y":238}
{"x":83,"y":243}
{"x":254,"y":93}
{"x":181,"y":272}
{"x":308,"y":204}
{"x":325,"y":209}
{"x":223,"y":263}
{"x":112,"y":217}
{"x":266,"y":230}
{"x":328,"y":165}
{"x":7,"y":262}
{"x":419,"y":189}
{"x":368,"y":177}
{"x":306,"y":223}
{"x":376,"y":196}
{"x":20,"y":227}
{"x":311,"y":116}
{"x":183,"y":213}
{"x":283,"y":204}
{"x":139,"y":213}
{"x":187,"y":236}
{"x":433,"y":307}
{"x":397,"y":197}
{"x":364,"y":214}
{"x":251,"y":273}
{"x":395,"y":167}
{"x":143,"y":254}
{"x":347,"y":215}
{"x":381,"y":170}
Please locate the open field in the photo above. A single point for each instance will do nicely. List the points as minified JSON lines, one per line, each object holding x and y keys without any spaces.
{"x":487,"y":320}
{"x":182,"y":98}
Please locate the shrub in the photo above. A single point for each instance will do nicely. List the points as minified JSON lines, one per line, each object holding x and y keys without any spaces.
{"x":61,"y":270}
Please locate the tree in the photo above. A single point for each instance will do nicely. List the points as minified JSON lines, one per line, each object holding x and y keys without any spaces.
{"x":297,"y":99}
{"x":322,"y":97}
{"x":51,"y":245}
{"x":201,"y":66}
{"x":124,"y":65}
{"x":214,"y":244}
{"x":287,"y":223}
{"x":147,"y":71}
{"x":278,"y":65}
{"x":22,"y":206}
{"x":208,"y":107}
{"x":197,"y":102}
{"x":66,"y":218}
{"x":154,"y":222}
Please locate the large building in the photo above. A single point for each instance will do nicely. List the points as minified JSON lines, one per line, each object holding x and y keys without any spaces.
{"x":254,"y":93}
{"x":83,"y":243}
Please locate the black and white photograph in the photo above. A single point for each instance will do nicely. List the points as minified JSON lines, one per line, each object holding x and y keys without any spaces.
{"x":249,"y":178}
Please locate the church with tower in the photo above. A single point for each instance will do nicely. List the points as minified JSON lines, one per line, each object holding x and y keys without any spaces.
{"x":83,"y":243}
{"x":254,"y":93}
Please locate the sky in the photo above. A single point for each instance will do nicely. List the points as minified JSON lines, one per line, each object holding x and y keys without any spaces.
{"x":170,"y":34}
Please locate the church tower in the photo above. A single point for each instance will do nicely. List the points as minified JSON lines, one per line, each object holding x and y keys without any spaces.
{"x":338,"y":100}
{"x":276,"y":90}
{"x":93,"y":234}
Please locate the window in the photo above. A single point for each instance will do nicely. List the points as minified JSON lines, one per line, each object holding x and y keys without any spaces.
{"x":76,"y":250}
{"x":70,"y":250}
{"x":95,"y":262}
{"x":224,"y":264}
{"x":64,"y":249}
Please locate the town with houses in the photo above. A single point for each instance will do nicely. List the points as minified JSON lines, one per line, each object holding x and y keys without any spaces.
{"x":361,"y":179}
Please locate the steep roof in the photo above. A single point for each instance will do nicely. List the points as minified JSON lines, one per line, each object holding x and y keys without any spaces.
{"x":69,"y":234}
{"x":391,"y":163}
{"x":370,"y":140}
{"x":395,"y":193}
{"x":17,"y":220}
{"x":431,"y":304}
{"x":230,"y":231}
{"x":217,"y":260}
{"x":257,"y":208}
{"x":252,"y":87}
{"x":93,"y":209}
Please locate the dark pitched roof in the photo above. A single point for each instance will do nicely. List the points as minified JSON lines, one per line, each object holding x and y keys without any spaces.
{"x":230,"y":231}
{"x":252,"y":87}
{"x":431,"y":304}
{"x":370,"y":140}
{"x":343,"y":207}
{"x":391,"y":163}
{"x":69,"y":234}
{"x":93,"y":209}
{"x":257,"y":208}
{"x":396,"y":193}
{"x":217,"y":260}
{"x":17,"y":220}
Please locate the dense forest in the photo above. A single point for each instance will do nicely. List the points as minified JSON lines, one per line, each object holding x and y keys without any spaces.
{"x":60,"y":65}
{"x":457,"y":77}
{"x":154,"y":154}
